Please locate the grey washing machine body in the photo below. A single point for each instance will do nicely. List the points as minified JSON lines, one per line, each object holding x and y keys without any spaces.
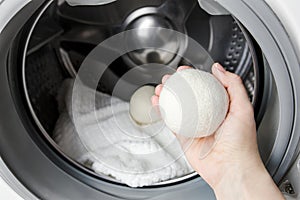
{"x":34,"y":170}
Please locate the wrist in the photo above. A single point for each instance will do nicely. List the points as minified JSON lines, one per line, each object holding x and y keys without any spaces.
{"x":234,"y":183}
{"x":247,"y":182}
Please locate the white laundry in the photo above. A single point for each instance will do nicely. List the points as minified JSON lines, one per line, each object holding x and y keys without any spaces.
{"x":103,"y":136}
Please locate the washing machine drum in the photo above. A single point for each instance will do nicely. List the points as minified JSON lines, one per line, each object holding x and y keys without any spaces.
{"x":114,"y":47}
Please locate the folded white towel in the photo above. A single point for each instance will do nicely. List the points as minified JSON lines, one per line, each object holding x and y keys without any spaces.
{"x":103,"y":136}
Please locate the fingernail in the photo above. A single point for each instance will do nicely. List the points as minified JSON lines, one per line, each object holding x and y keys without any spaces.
{"x":219,"y":67}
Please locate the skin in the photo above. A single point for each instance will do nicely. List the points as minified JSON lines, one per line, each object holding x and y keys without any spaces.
{"x":229,"y":160}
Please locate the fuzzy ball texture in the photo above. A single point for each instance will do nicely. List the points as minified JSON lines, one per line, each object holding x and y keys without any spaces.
{"x":193,"y":103}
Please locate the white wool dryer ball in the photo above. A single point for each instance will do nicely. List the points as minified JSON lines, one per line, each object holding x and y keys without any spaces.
{"x":193,"y":103}
{"x":140,"y":108}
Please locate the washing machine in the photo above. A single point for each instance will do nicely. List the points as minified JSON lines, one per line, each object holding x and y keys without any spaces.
{"x":43,"y":42}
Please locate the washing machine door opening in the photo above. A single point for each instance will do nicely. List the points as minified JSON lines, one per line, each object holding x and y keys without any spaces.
{"x":62,"y":37}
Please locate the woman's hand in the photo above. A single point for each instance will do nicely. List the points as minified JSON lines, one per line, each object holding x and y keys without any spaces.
{"x":229,"y":160}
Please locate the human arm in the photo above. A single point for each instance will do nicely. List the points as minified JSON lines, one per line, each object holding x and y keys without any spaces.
{"x":229,"y":159}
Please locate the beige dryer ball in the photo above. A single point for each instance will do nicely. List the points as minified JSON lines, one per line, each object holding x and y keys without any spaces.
{"x":193,"y":103}
{"x":140,"y":107}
